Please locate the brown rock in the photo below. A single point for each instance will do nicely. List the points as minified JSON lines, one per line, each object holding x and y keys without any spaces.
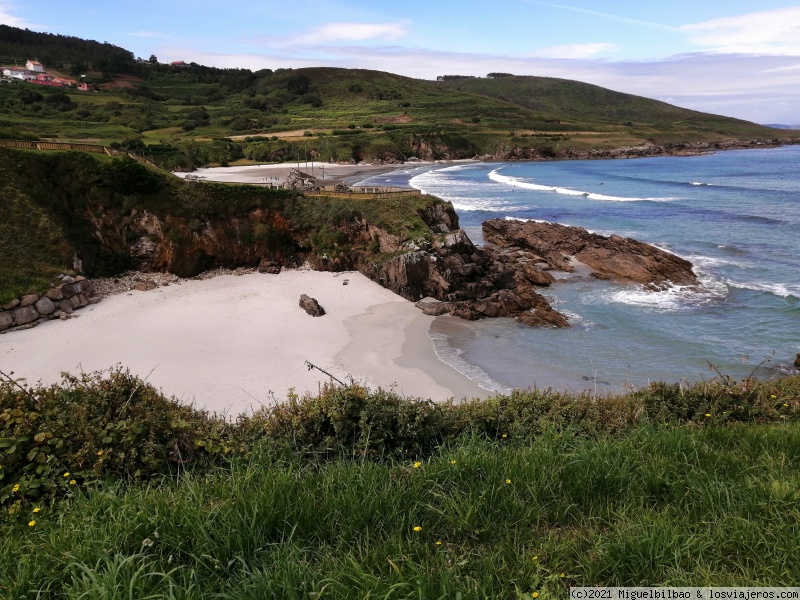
{"x":311,"y":306}
{"x":6,"y":320}
{"x":537,"y":277}
{"x":66,"y":306}
{"x":797,"y":360}
{"x":435,"y":309}
{"x":268,"y":266}
{"x":13,"y":304}
{"x":55,"y":293}
{"x":96,"y":299}
{"x":82,"y":300}
{"x":68,"y":279}
{"x":80,"y":278}
{"x":24,"y":315}
{"x":623,"y":259}
{"x":68,"y":290}
{"x":81,"y":286}
{"x":29,"y":299}
{"x":44,"y":306}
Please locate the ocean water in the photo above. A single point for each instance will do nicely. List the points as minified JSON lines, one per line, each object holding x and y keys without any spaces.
{"x":735,"y":215}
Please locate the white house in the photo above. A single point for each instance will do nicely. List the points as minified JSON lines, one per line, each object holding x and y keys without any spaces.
{"x":34,"y":65}
{"x":17,"y":73}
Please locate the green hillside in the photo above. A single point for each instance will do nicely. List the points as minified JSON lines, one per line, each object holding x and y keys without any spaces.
{"x":173,"y":113}
{"x":573,"y":103}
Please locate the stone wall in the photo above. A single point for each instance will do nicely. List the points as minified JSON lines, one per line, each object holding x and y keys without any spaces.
{"x":59,"y":302}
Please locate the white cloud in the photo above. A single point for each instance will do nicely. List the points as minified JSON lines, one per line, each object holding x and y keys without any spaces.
{"x":349,"y":32}
{"x":768,"y":32}
{"x":575,"y":51}
{"x":7,"y":18}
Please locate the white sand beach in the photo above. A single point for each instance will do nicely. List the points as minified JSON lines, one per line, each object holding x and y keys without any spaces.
{"x":233,"y":343}
{"x":278,"y":172}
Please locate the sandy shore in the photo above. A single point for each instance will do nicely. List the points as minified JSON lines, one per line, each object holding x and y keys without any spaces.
{"x":233,"y":343}
{"x":278,"y":172}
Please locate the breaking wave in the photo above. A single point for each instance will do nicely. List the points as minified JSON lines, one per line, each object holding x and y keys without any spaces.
{"x":527,"y":185}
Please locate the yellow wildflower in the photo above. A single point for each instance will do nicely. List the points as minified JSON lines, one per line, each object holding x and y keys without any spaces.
{"x":505,"y":435}
{"x":535,"y":558}
{"x":708,"y":414}
{"x":31,"y":523}
{"x":15,"y":488}
{"x":438,"y":542}
{"x":786,"y":404}
{"x":417,"y":465}
{"x":66,"y":474}
{"x":452,"y":462}
{"x":99,"y":453}
{"x":37,"y":509}
{"x":417,"y":528}
{"x":563,"y":575}
{"x":535,"y":595}
{"x":72,"y":482}
{"x":508,"y":481}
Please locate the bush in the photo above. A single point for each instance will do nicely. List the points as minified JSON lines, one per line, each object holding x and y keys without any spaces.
{"x":57,"y":439}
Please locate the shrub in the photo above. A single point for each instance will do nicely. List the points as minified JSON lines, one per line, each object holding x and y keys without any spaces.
{"x":59,"y":438}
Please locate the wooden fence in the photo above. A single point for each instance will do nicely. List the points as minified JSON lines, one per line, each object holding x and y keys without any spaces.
{"x":30,"y":145}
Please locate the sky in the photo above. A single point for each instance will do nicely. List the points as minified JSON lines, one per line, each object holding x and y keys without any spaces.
{"x":738,"y":58}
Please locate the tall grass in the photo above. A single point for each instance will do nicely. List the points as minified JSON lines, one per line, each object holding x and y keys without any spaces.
{"x":499,"y":518}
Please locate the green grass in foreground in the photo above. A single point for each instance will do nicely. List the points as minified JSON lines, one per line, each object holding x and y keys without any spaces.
{"x":111,"y":490}
{"x":484,"y":519}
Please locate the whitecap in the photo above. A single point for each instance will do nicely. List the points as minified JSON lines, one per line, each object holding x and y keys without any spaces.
{"x":779,"y":289}
{"x":527,"y":185}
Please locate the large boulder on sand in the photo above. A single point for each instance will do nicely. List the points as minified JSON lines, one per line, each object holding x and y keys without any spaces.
{"x":269,"y":266}
{"x":311,"y":306}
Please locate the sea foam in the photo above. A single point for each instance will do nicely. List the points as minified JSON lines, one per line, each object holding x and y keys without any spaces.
{"x":452,"y":356}
{"x":527,"y":185}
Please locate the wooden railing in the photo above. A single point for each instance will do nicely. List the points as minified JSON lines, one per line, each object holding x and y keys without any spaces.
{"x":31,"y":145}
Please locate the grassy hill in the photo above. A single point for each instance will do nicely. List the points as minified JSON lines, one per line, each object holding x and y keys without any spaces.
{"x":173,"y":113}
{"x":574,"y":103}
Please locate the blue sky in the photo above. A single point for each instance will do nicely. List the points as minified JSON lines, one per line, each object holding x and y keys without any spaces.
{"x":738,"y":58}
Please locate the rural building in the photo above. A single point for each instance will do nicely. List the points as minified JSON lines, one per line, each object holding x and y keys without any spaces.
{"x":35,"y":66}
{"x":18,"y":73}
{"x":86,"y":87}
{"x":47,"y":79}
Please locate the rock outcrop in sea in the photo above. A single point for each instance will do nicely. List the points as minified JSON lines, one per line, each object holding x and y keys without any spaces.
{"x":611,"y":257}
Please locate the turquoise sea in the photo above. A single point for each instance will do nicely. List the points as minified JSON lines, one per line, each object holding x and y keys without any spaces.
{"x":735,"y":215}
